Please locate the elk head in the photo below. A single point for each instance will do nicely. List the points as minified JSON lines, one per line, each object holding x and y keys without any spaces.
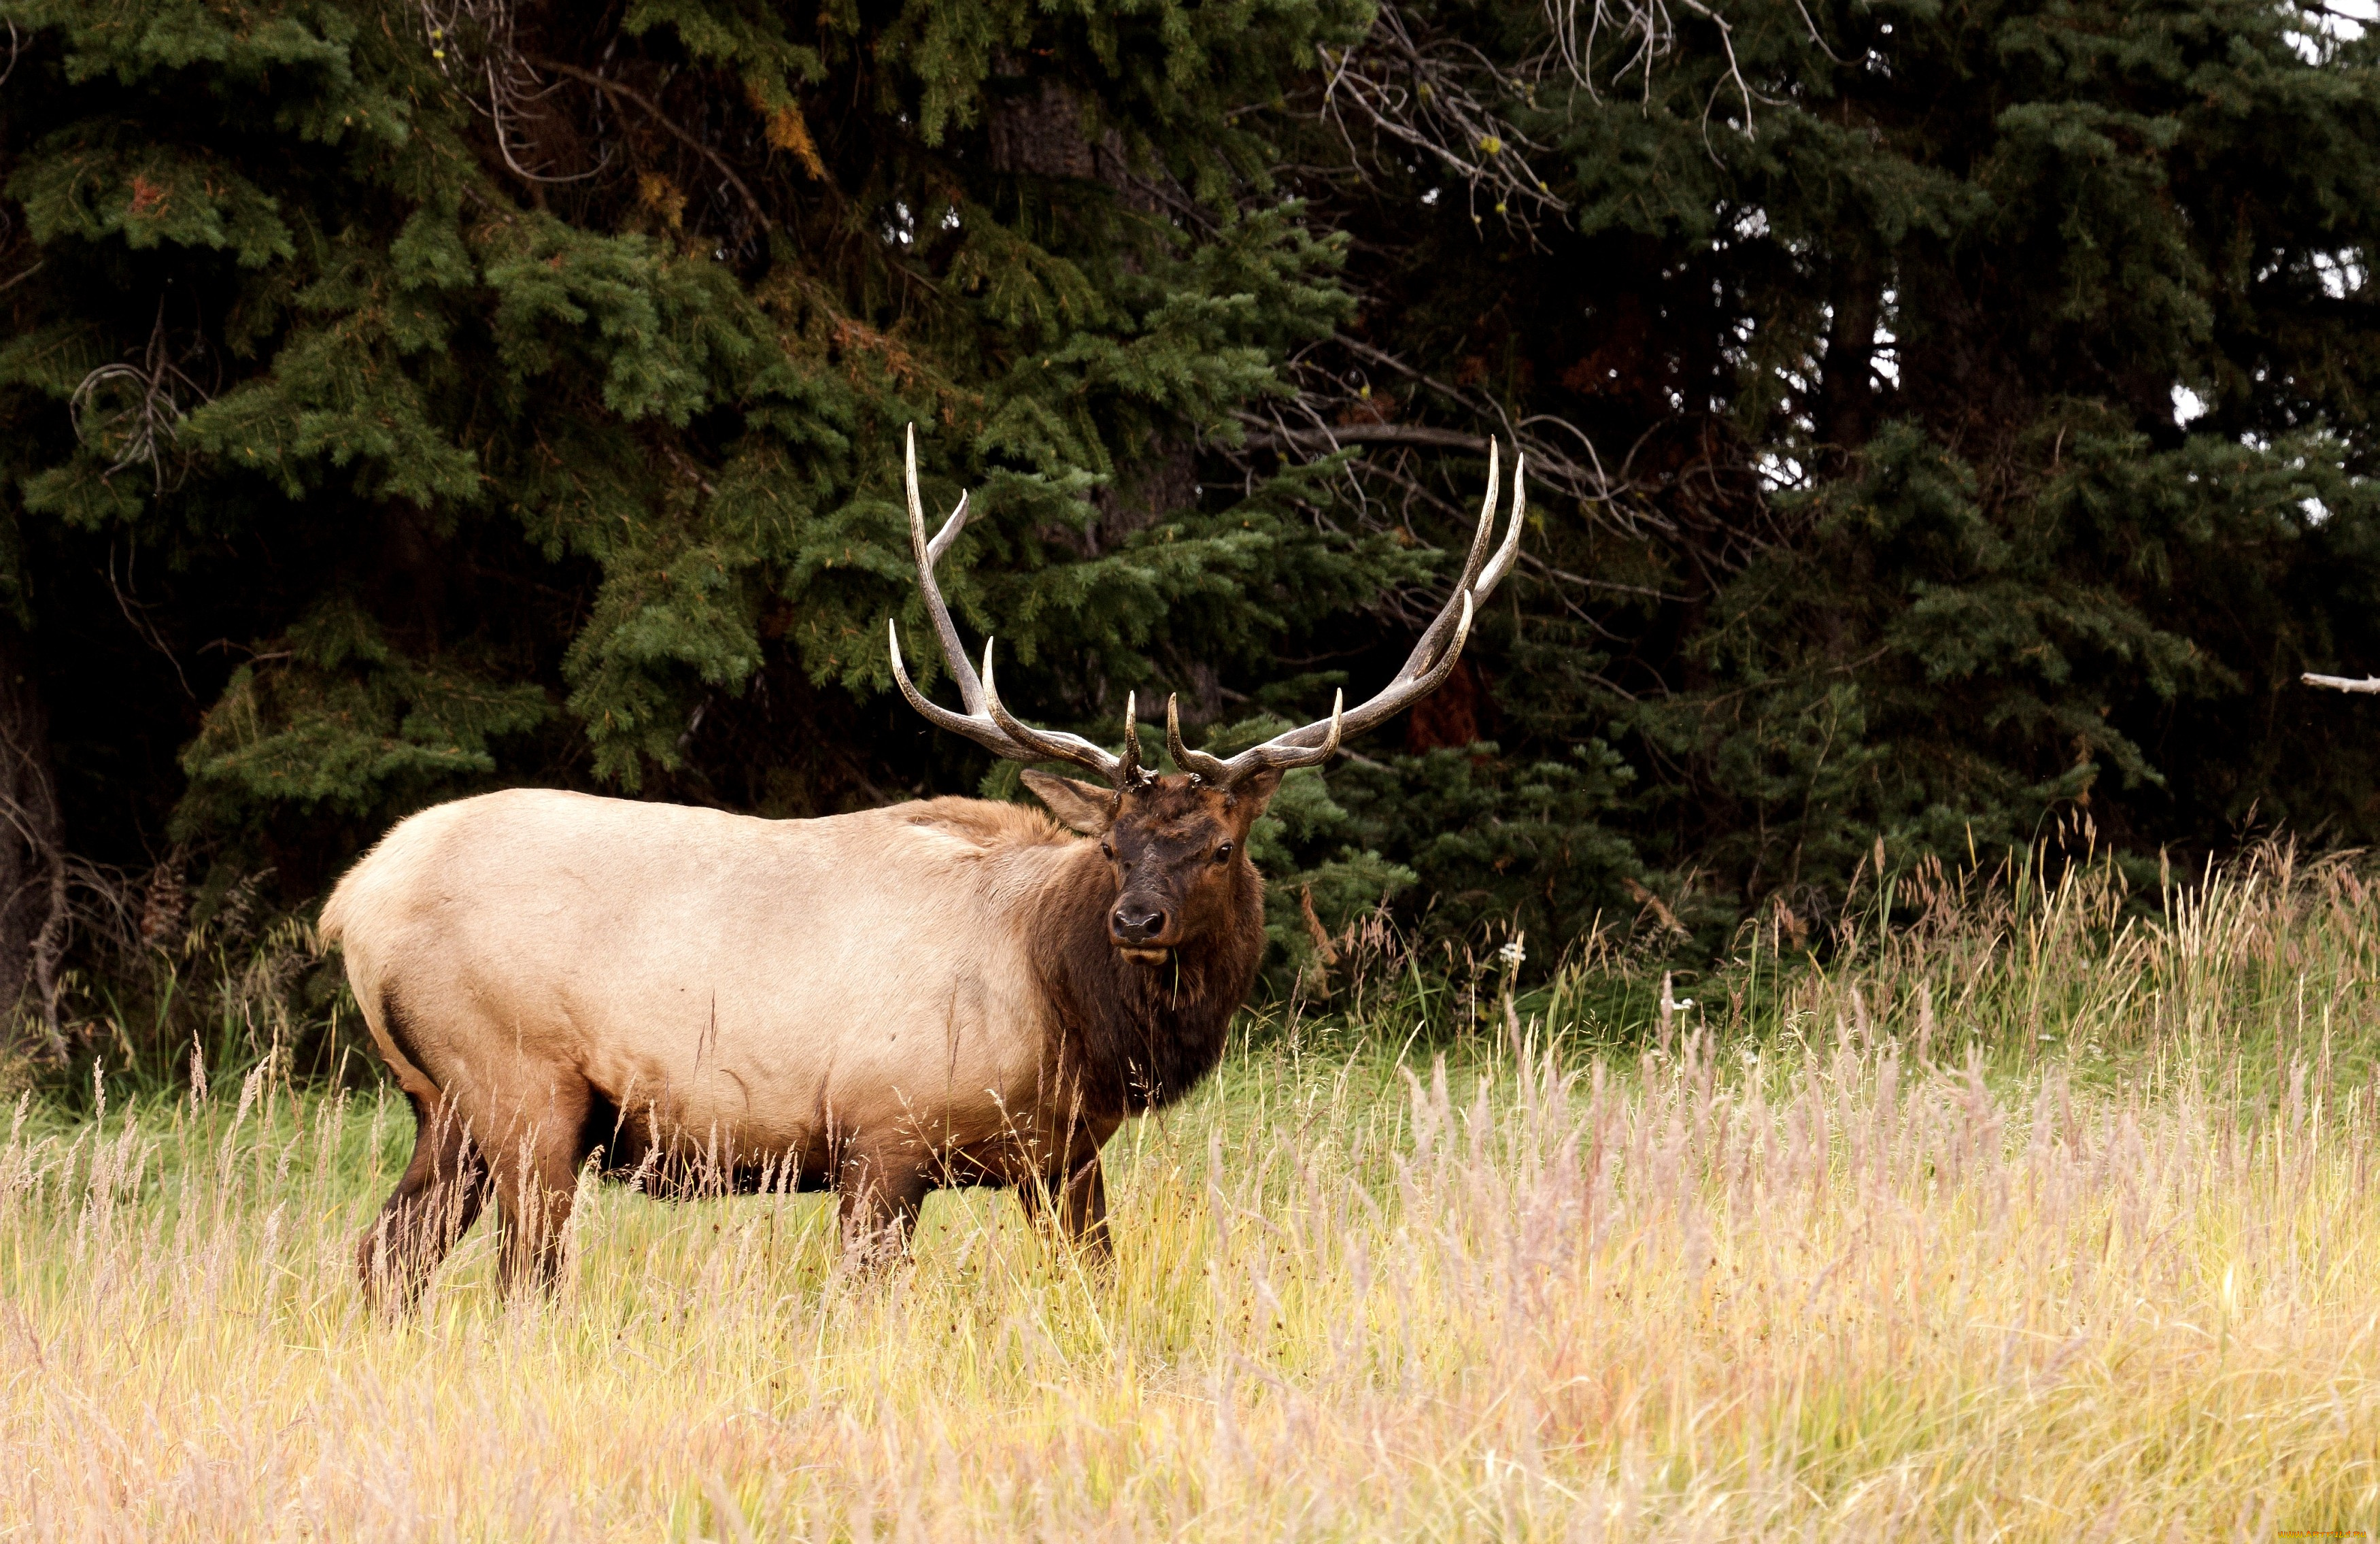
{"x":1177,"y":846}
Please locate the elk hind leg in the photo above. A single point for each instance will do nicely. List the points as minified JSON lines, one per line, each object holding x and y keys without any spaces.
{"x":435,"y":1202}
{"x":1073,"y":1200}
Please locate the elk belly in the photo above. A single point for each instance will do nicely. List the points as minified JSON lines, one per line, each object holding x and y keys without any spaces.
{"x":781,"y":1081}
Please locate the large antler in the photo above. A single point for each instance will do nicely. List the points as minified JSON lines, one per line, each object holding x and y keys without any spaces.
{"x":1425,"y":668}
{"x":987,"y":722}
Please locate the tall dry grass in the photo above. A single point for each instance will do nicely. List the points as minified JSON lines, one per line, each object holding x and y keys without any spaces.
{"x":2101,"y":1261}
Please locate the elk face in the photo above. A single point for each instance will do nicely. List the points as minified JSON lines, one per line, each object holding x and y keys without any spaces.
{"x":1175,"y":847}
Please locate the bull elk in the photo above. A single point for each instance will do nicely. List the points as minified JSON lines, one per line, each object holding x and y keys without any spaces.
{"x":952,"y":992}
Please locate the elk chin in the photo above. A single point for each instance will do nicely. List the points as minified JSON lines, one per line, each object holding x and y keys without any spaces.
{"x":1140,"y":954}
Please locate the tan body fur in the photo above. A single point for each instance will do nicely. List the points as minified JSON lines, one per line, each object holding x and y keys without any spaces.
{"x":850,"y":1001}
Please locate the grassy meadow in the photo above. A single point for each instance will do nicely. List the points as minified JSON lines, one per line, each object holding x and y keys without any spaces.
{"x":2044,"y":1213}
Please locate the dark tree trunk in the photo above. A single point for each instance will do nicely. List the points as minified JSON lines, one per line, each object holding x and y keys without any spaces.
{"x":1448,"y":716}
{"x":33,"y":847}
{"x":1036,"y":129}
{"x":1847,"y":394}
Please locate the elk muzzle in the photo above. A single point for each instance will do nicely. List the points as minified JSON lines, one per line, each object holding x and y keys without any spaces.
{"x":1139,"y":925}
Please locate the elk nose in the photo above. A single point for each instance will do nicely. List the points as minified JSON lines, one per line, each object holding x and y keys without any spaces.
{"x":1134,"y":924}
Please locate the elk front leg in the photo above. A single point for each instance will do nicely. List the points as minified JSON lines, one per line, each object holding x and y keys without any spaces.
{"x":435,"y":1203}
{"x":881,"y":1187}
{"x":1074,"y":1200}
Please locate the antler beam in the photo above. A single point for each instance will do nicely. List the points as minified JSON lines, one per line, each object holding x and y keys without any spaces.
{"x":1424,"y":669}
{"x":987,"y":722}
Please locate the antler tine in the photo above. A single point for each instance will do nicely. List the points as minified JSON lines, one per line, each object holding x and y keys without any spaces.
{"x":1402,"y":694}
{"x":989,"y":724}
{"x":1046,"y":744}
{"x":949,"y":534}
{"x":928,"y":553}
{"x":981,"y":731}
{"x":1272,"y":753}
{"x":1485,"y":535}
{"x":1434,"y":654}
{"x":1424,"y":649}
{"x":1501,"y":565}
{"x":1197,"y":763}
{"x":1128,"y":768}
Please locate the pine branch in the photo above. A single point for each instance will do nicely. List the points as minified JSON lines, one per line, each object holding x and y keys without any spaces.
{"x":1335,"y":435}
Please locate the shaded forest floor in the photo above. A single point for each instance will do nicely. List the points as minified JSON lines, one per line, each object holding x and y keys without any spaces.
{"x":2039,"y":1215}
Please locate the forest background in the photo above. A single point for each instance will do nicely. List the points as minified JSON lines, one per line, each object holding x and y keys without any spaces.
{"x":1947,"y":425}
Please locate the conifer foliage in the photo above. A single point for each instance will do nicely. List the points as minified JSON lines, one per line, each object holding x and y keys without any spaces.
{"x":1970,"y":410}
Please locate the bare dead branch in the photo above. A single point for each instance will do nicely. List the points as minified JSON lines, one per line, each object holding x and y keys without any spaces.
{"x":2342,"y":683}
{"x":1330,"y":410}
{"x":137,"y":613}
{"x":1336,"y":436}
{"x":1439,"y":97}
{"x":653,"y":109}
{"x":1410,"y":89}
{"x":36,"y":858}
{"x":134,"y":411}
{"x":474,"y":40}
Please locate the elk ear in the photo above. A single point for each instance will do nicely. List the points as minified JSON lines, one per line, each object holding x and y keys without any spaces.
{"x":1255,"y":791}
{"x":1086,"y":806}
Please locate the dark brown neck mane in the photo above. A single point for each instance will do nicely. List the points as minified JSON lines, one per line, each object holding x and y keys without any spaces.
{"x":1134,"y":1037}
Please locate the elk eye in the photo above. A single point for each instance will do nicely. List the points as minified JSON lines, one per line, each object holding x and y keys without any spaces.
{"x":1107,"y":851}
{"x":1224,"y":853}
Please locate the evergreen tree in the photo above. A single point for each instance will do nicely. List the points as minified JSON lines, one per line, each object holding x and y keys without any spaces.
{"x":1970,"y":408}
